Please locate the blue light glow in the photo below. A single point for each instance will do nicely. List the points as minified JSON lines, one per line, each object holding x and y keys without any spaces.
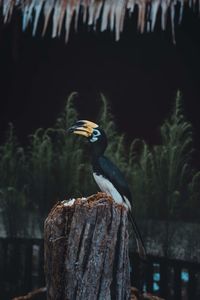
{"x":184,"y":276}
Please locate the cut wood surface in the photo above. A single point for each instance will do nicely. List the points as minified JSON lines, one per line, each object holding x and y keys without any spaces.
{"x":86,"y":250}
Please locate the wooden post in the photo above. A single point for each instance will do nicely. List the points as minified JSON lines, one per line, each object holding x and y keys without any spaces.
{"x":86,"y":250}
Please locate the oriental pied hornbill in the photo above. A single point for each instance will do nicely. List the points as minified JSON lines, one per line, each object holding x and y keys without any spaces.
{"x":107,"y":176}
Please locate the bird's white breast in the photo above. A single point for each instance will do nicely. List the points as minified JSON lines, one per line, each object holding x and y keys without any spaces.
{"x":106,"y":186}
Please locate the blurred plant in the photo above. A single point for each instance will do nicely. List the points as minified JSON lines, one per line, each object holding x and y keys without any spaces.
{"x":163,"y":181}
{"x":116,"y":145}
{"x":71,"y":164}
{"x":13,"y":171}
{"x":162,"y":177}
{"x":41,"y":180}
{"x":56,"y":163}
{"x":139,"y":171}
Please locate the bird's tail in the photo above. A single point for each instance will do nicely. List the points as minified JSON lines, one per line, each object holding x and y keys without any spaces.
{"x":139,"y":241}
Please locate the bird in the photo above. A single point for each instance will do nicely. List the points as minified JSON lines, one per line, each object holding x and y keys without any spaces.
{"x":107,"y":175}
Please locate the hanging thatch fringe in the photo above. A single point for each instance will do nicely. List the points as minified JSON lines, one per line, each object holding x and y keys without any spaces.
{"x":110,"y":13}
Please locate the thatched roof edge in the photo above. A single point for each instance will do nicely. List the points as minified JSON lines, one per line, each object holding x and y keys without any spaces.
{"x":109,"y":13}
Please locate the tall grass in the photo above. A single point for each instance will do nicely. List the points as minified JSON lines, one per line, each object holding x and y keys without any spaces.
{"x":56,"y":165}
{"x":13,"y":187}
{"x":116,"y":145}
{"x":162,"y":177}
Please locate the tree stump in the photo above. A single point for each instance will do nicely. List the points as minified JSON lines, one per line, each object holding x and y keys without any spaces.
{"x":86,"y":250}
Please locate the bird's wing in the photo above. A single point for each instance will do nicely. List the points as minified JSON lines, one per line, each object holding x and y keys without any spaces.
{"x":113,"y":174}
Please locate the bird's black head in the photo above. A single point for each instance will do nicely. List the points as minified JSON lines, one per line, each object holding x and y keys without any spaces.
{"x":95,"y":135}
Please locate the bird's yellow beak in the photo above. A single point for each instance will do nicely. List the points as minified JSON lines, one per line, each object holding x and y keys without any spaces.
{"x":83,"y":127}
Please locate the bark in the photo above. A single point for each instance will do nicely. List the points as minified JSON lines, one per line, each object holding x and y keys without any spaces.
{"x":86,"y":250}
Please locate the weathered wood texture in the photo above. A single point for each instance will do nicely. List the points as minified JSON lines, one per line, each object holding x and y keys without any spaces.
{"x":86,"y":250}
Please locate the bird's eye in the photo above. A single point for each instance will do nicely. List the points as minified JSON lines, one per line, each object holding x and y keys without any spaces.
{"x":96,"y":132}
{"x":95,"y":135}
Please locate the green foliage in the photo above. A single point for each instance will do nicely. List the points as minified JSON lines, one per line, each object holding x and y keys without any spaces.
{"x":41,"y":162}
{"x":163,"y":180}
{"x":116,"y":148}
{"x":139,"y":172}
{"x":13,"y":171}
{"x":72,"y":167}
{"x":56,"y":165}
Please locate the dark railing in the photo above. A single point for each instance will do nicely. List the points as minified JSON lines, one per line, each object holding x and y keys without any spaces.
{"x":21,"y":266}
{"x":169,"y":278}
{"x":21,"y":270}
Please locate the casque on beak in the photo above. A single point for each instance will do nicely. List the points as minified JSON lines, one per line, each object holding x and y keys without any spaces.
{"x":83,"y":127}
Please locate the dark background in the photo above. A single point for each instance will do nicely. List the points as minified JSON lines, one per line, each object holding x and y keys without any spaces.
{"x":140,"y":75}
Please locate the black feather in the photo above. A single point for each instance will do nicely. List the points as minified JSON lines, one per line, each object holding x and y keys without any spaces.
{"x":103,"y":166}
